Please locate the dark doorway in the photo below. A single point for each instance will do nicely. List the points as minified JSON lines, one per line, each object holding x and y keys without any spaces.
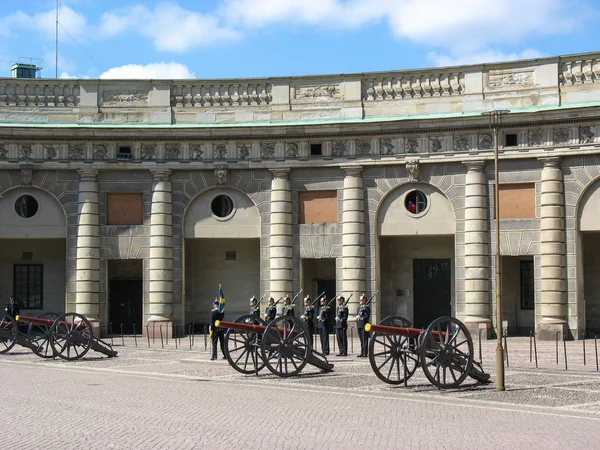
{"x":432,"y":290}
{"x":125,"y":295}
{"x":328,"y":286}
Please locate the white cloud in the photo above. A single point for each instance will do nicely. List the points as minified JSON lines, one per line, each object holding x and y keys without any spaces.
{"x":155,"y":71}
{"x":70,"y":20}
{"x":169,"y":26}
{"x":485,"y":56}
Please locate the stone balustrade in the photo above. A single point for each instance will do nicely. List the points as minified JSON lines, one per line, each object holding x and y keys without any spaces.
{"x":202,"y":94}
{"x":399,"y":86}
{"x":40,"y":93}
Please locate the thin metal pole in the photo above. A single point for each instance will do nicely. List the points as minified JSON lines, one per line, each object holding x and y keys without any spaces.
{"x":194,"y":334}
{"x":205,"y":338}
{"x":190,"y":336}
{"x":111,"y":334}
{"x":480,"y":353}
{"x":176,"y":337}
{"x":162,"y":344}
{"x":351,"y":340}
{"x":565,"y":351}
{"x":596,"y":347}
{"x":122,"y":338}
{"x":499,"y":350}
{"x":148,"y":334}
{"x":530,"y":346}
{"x":134,"y":335}
{"x":535,"y":350}
{"x":584,"y":361}
{"x":56,"y":42}
{"x":506,"y":346}
{"x":557,"y":333}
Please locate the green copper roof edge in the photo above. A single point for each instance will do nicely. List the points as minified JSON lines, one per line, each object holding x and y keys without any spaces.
{"x":350,"y":120}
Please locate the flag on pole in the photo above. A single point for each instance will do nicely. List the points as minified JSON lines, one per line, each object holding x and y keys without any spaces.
{"x":221,"y":300}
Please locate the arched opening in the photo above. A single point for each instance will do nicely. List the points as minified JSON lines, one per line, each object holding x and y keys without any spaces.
{"x":222,"y":246}
{"x":33,"y":235}
{"x":415,"y":227}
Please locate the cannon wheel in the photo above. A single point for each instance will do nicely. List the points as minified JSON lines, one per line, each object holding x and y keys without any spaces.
{"x":286,"y":346}
{"x":447,"y":352}
{"x":40,"y":335}
{"x":8,"y":333}
{"x":241,"y":346}
{"x":394,"y":359}
{"x":71,"y":336}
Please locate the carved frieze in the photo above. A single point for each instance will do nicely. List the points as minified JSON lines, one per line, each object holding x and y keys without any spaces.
{"x":25,"y":151}
{"x":535,"y":138}
{"x":172,"y":152}
{"x":435,"y":144}
{"x":267,"y":150}
{"x":196,"y":152}
{"x":221,"y":174}
{"x":586,"y":135}
{"x":148,"y":152}
{"x":243,"y":151}
{"x":220,"y":151}
{"x":363,"y":148}
{"x":3,"y":152}
{"x":292,"y":150}
{"x":339,"y":148}
{"x":100,"y":151}
{"x":412,"y":145}
{"x":498,"y":79}
{"x":311,"y":93}
{"x":486,"y":141}
{"x":76,"y":151}
{"x":561,"y":135}
{"x":461,"y":143}
{"x":386,"y":147}
{"x":413,"y":169}
{"x":118,"y":98}
{"x":51,"y":151}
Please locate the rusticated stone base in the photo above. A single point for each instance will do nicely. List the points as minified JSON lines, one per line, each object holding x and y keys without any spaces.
{"x":547,"y":331}
{"x":154,"y":329}
{"x":485,"y":328}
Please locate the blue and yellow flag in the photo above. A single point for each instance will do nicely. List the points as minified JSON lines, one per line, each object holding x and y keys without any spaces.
{"x":221,"y":300}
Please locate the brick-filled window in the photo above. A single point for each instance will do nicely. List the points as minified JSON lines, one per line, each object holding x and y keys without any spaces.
{"x":28,"y":285}
{"x":317,"y":207}
{"x":124,"y":209}
{"x":517,"y":201}
{"x":527,"y":285}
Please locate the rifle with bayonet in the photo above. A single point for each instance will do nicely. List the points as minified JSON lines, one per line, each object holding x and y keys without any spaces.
{"x":346,"y":303}
{"x":314,"y":302}
{"x":372,"y":297}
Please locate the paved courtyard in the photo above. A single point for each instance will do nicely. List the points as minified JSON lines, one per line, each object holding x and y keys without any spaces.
{"x":155,"y":398}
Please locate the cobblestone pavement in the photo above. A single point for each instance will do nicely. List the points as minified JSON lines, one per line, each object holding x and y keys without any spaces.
{"x":154,"y":398}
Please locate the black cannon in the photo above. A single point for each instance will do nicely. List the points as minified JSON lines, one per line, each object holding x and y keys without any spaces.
{"x":284,"y":346}
{"x":69,"y":336}
{"x":444,"y":351}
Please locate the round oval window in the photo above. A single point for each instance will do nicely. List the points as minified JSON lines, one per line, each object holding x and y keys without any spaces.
{"x":221,"y":206}
{"x":26,"y":206}
{"x":415,"y":202}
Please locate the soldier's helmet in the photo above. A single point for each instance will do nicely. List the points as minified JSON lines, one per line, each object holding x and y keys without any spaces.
{"x":271,"y":300}
{"x":287,"y":299}
{"x":252,"y":299}
{"x":363,"y":297}
{"x":341,"y":298}
{"x":11,"y":299}
{"x":216,"y":301}
{"x":307,"y":298}
{"x":323,"y":300}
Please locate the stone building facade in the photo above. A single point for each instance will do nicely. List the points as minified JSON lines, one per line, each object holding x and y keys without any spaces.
{"x":130,"y":201}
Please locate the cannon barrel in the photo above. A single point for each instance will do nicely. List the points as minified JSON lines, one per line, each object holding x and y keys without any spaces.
{"x":250,"y":328}
{"x":35,"y":320}
{"x":397,"y":331}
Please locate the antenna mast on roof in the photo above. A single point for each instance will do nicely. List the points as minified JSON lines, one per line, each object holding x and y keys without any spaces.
{"x":56,"y":61}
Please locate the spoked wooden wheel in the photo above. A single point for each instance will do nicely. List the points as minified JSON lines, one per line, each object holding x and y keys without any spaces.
{"x":242,"y":349}
{"x":286,"y":346}
{"x":8,"y":333}
{"x":447,"y":352}
{"x":71,"y":336}
{"x":39,"y":336}
{"x":393,"y":358}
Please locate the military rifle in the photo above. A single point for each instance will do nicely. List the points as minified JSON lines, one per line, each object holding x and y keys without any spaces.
{"x":322,"y":294}
{"x":296,"y":296}
{"x":372,"y":297}
{"x":261,"y":299}
{"x":346,"y":304}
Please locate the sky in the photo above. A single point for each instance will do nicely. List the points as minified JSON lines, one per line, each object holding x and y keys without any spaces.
{"x":272,"y":38}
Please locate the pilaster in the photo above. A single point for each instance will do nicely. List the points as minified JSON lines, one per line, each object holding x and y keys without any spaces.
{"x":281,"y":234}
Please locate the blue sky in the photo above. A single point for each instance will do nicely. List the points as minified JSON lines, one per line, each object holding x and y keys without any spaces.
{"x":264,"y":38}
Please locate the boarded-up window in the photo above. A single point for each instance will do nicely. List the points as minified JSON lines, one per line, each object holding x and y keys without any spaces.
{"x":317,"y":207}
{"x":517,"y":201}
{"x":124,"y":209}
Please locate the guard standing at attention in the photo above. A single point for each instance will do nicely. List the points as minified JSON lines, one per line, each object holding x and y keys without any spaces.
{"x":12,"y":308}
{"x":216,"y":334}
{"x":362,"y":318}
{"x":254,"y":308}
{"x":341,"y":326}
{"x":308,"y":316}
{"x":288,"y":308}
{"x":322,"y":326}
{"x":271,"y":311}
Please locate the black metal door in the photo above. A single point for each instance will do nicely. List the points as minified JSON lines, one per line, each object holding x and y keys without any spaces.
{"x":329,"y":287}
{"x":126,"y":305}
{"x":432,"y":295}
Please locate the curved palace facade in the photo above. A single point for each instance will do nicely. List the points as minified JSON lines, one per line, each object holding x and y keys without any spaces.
{"x":130,"y":201}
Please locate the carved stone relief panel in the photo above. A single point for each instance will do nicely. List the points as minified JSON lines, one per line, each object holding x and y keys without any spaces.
{"x":363,"y":148}
{"x":243,"y":150}
{"x":412,"y":145}
{"x":76,"y":151}
{"x":291,"y":150}
{"x":196,"y":152}
{"x":25,"y":151}
{"x":561,"y":135}
{"x":413,"y":168}
{"x":535,"y":138}
{"x":486,"y":141}
{"x":387,"y":147}
{"x":26,"y":175}
{"x":3,"y":152}
{"x":119,"y":98}
{"x":461,"y":143}
{"x":51,"y":151}
{"x":220,"y":151}
{"x":498,"y":79}
{"x":172,"y":152}
{"x":339,"y":148}
{"x":586,"y":135}
{"x":311,"y":93}
{"x":148,"y":152}
{"x":100,"y":151}
{"x":221,"y":174}
{"x":267,"y":150}
{"x":435,"y":144}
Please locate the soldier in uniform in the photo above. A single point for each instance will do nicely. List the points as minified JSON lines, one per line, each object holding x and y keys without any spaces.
{"x":341,"y":326}
{"x":271,"y":311}
{"x":288,"y":308}
{"x":322,"y":326}
{"x":12,"y":308}
{"x":254,"y":307}
{"x":362,"y":318}
{"x":216,"y":334}
{"x":308,"y":316}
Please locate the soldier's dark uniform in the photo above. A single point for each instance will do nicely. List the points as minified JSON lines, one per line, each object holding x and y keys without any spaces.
{"x":322,"y":326}
{"x":288,"y":308}
{"x":254,"y":308}
{"x":218,"y":334}
{"x":362,"y":318}
{"x":271,"y":311}
{"x":308,"y":316}
{"x":12,"y":308}
{"x":341,"y":327}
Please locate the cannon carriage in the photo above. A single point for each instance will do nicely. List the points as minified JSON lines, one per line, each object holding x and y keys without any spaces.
{"x":284,"y":346}
{"x":444,"y":351}
{"x":68,"y":336}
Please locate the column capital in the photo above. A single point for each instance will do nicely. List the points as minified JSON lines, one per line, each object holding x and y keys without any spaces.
{"x":352,"y":170}
{"x":160,"y":174}
{"x":475,"y":166}
{"x":283,"y":173}
{"x":552,"y":162}
{"x":87,"y":174}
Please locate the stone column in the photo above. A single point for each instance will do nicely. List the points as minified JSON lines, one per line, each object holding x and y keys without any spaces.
{"x":87,"y":298}
{"x":160,"y":295}
{"x":281,"y":234}
{"x":553,"y":312}
{"x":477,"y":272}
{"x":353,"y":236}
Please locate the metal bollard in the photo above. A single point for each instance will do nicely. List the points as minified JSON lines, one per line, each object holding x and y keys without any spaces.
{"x":351,"y":340}
{"x":134,"y":335}
{"x":190,"y":336}
{"x":506,"y":347}
{"x":535,"y":350}
{"x":111,"y":334}
{"x":596,"y":347}
{"x":205,"y":337}
{"x":175,"y":333}
{"x":161,"y":337}
{"x":334,"y":340}
{"x":153,"y":331}
{"x":565,"y":350}
{"x":194,"y":334}
{"x":148,"y":334}
{"x":557,"y":333}
{"x":480,"y":354}
{"x":530,"y":346}
{"x":122,"y":337}
{"x":584,"y":360}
